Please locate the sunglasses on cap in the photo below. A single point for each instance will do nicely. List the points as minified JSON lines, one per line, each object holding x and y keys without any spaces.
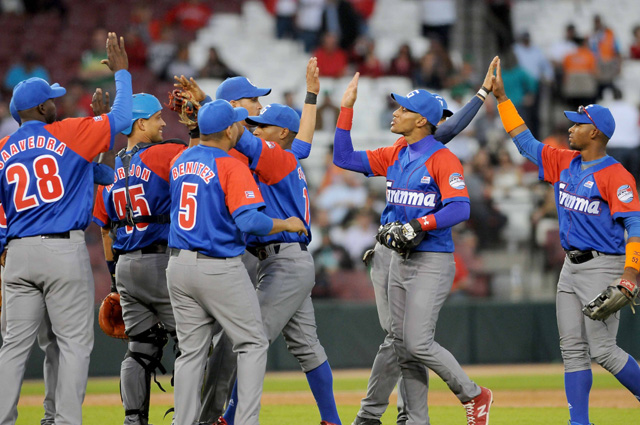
{"x":583,"y":110}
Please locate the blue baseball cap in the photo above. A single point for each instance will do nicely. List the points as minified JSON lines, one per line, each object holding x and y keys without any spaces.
{"x":217,"y":115}
{"x":144,"y":106}
{"x":446,"y":112}
{"x":238,"y":88}
{"x":14,"y":112}
{"x":421,"y":102}
{"x":278,"y":115}
{"x":597,"y":115}
{"x":32,"y":92}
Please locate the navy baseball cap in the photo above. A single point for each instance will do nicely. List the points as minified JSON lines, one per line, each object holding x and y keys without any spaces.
{"x":238,"y":88}
{"x":30,"y":93}
{"x":597,"y":115}
{"x":278,"y":115}
{"x":446,"y":112}
{"x":421,"y":102}
{"x":217,"y":115}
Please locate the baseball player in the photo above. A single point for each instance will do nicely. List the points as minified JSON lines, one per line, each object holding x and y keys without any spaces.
{"x":385,"y":371}
{"x":426,"y":192}
{"x":597,"y":201}
{"x":135,"y":209}
{"x":286,"y":273}
{"x":214,"y":200}
{"x":47,"y":194}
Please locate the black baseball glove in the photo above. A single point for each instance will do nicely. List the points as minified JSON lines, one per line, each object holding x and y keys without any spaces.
{"x":402,"y":238}
{"x":615,"y":296}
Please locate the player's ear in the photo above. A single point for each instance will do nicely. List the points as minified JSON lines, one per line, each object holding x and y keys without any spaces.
{"x":284,"y":133}
{"x":421,"y":121}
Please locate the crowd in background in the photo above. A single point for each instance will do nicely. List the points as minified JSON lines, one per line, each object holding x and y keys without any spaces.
{"x":576,"y":70}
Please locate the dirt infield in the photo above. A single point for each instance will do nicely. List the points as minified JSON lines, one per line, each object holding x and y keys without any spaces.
{"x":616,"y":398}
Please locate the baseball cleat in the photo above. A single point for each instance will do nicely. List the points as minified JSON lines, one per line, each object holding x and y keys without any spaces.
{"x":366,"y":421}
{"x":478,"y":408}
{"x":325,"y":423}
{"x":220,"y":421}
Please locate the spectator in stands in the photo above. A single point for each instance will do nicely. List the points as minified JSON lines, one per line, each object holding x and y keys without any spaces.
{"x":92,"y":72}
{"x":142,"y":22}
{"x":327,"y":114}
{"x":434,"y":68}
{"x":364,"y":9}
{"x":285,"y":11}
{"x":559,"y":138}
{"x":518,"y":81}
{"x":625,"y":143}
{"x":358,"y":234}
{"x":558,"y":51}
{"x":364,"y":54}
{"x":438,"y":17}
{"x":386,"y":115}
{"x":180,"y":65}
{"x":634,"y":50}
{"x":136,"y":50}
{"x":189,"y":15}
{"x":580,"y":73}
{"x":499,"y":17}
{"x":487,"y":125}
{"x":533,"y":61}
{"x":26,"y":68}
{"x":161,"y":52}
{"x":403,"y":64}
{"x":341,"y":19}
{"x":470,"y":278}
{"x":605,"y":46}
{"x":332,"y":59}
{"x":77,"y":101}
{"x":345,"y":192}
{"x":7,"y":124}
{"x":329,"y":259}
{"x":215,"y":67}
{"x":309,"y":22}
{"x":39,"y":6}
{"x":288,"y":100}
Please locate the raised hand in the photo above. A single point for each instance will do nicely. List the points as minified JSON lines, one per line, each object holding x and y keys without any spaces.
{"x":487,"y":84}
{"x":116,"y":54}
{"x":191,"y":86}
{"x":99,"y":103}
{"x":313,"y":72}
{"x":497,"y":85}
{"x":351,"y":93}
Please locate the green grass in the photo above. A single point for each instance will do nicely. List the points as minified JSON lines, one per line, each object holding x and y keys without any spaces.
{"x":304,"y":414}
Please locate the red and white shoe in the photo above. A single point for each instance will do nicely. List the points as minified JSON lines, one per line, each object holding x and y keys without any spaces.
{"x":220,"y":421}
{"x":478,"y":408}
{"x":327,"y":423}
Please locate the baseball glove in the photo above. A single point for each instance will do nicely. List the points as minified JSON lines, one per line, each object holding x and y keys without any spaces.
{"x":184,"y":103}
{"x":620,"y":293}
{"x":110,"y":316}
{"x":401,"y":237}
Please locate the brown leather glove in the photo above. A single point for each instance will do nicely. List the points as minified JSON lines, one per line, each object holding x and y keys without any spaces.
{"x":110,"y":316}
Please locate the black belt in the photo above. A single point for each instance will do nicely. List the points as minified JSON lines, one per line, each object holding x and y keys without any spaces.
{"x":176,"y":251}
{"x":154,"y":248}
{"x":63,"y":235}
{"x":262,"y":253}
{"x":578,"y":257}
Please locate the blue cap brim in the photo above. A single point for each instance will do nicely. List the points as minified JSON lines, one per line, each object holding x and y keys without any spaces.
{"x":57,"y":90}
{"x":240,"y":114}
{"x":402,"y":101}
{"x":446,"y":113}
{"x":577,"y":118}
{"x":257,"y":120}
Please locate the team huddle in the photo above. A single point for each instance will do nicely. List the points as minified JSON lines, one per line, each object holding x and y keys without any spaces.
{"x":206,"y":241}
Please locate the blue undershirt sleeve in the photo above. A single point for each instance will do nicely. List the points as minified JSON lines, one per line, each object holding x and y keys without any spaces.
{"x":102,"y":174}
{"x":632,"y":224}
{"x":254,"y":222}
{"x":345,"y":157}
{"x":458,"y":121}
{"x":528,"y":146}
{"x":300,"y":148}
{"x":121,"y":111}
{"x":451,"y":214}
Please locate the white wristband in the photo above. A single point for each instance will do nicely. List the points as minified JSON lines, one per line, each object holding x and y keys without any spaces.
{"x":483,"y":93}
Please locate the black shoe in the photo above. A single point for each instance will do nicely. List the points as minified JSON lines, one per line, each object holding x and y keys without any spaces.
{"x":366,"y":421}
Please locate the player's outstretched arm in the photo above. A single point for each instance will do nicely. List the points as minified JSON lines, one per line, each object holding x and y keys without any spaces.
{"x":511,"y":120}
{"x":191,"y":86}
{"x":116,"y":54}
{"x":351,"y":92}
{"x":117,"y":61}
{"x":309,"y":110}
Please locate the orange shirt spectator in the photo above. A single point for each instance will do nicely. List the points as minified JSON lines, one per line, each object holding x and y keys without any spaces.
{"x":582,"y":60}
{"x":332,"y":60}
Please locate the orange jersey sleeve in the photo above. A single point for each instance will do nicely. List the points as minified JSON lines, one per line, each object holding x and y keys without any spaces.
{"x":99,"y":211}
{"x":160,"y":158}
{"x":448,"y":173}
{"x":382,"y":158}
{"x":238,"y":184}
{"x":274,"y":163}
{"x":86,"y":136}
{"x":618,"y":188}
{"x":554,"y":161}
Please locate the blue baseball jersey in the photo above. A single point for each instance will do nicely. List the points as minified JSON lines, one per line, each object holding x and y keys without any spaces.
{"x":148,"y":194}
{"x":420,"y":187}
{"x":209,"y":189}
{"x":282,"y":183}
{"x":47,"y":174}
{"x":591,"y":203}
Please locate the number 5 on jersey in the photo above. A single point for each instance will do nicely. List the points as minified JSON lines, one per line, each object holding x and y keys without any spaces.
{"x":188,"y":206}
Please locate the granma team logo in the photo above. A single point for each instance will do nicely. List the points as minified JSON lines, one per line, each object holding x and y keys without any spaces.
{"x":456,"y":181}
{"x":625,"y":194}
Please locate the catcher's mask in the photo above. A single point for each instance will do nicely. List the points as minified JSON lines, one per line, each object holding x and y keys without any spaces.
{"x":144,"y":106}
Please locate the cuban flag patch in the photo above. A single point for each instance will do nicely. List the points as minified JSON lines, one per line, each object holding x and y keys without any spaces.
{"x":588,"y":184}
{"x":271,"y":145}
{"x":98,"y":118}
{"x":249,"y":194}
{"x":563,"y":185}
{"x":425,"y":179}
{"x":456,"y":181}
{"x":625,"y":194}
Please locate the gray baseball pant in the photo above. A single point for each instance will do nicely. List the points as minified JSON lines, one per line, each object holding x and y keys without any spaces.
{"x":205,"y":290}
{"x":581,"y":338}
{"x":418,"y":287}
{"x":54,"y":276}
